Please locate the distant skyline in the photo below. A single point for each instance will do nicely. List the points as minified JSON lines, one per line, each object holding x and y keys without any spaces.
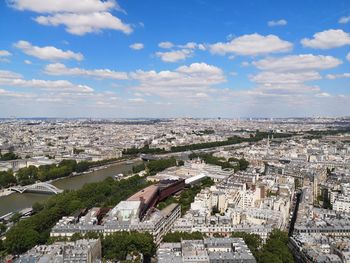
{"x":187,"y":58}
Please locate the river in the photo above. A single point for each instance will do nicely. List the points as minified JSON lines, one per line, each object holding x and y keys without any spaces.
{"x":16,"y":201}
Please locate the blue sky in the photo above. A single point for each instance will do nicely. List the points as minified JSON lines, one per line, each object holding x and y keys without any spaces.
{"x":128,"y":58}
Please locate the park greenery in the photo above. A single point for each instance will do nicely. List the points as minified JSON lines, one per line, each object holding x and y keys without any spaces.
{"x":119,"y":244}
{"x":35,"y":229}
{"x":258,"y":136}
{"x":275,"y":249}
{"x":187,"y":196}
{"x":232,"y":163}
{"x":178,"y":236}
{"x":319,"y":133}
{"x":8,"y":156}
{"x":155,"y":166}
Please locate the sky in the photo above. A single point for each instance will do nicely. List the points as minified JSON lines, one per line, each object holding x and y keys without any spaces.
{"x":183,"y":58}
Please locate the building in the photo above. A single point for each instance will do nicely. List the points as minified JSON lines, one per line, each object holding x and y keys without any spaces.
{"x":80,"y":251}
{"x":209,"y":250}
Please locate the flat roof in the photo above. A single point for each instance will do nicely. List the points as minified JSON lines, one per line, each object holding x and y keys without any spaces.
{"x":146,"y":194}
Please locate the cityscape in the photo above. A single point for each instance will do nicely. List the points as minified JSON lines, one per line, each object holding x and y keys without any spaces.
{"x":174,"y":131}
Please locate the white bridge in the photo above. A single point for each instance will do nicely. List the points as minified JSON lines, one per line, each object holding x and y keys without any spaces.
{"x":44,"y":188}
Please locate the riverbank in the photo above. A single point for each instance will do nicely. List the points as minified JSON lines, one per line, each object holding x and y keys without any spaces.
{"x":5,"y":192}
{"x":16,"y":201}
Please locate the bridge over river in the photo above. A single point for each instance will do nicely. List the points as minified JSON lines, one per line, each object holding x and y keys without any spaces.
{"x":44,"y":188}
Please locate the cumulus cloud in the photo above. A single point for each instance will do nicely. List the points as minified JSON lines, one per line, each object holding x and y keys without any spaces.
{"x":165,"y":45}
{"x":80,"y":24}
{"x":61,"y":69}
{"x":178,"y":52}
{"x":174,"y":56}
{"x":78,"y":17}
{"x":137,"y":46}
{"x":58,"y":85}
{"x":344,"y":20}
{"x":348,"y":56}
{"x":294,"y":63}
{"x":48,"y":52}
{"x":9,"y":78}
{"x":285,"y":77}
{"x":331,"y":38}
{"x":281,"y":22}
{"x":185,"y":81}
{"x":288,"y":76}
{"x":6,"y":74}
{"x":252,"y":45}
{"x":137,"y":100}
{"x":81,"y":6}
{"x":5,"y":53}
{"x":337,"y":76}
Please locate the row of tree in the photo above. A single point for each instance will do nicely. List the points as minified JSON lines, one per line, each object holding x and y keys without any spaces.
{"x":197,"y":146}
{"x":31,"y":174}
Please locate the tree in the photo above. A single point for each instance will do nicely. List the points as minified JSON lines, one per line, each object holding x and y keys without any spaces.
{"x":119,"y":244}
{"x":20,"y":239}
{"x":37,"y":207}
{"x":27,"y":175}
{"x":16,"y":217}
{"x":8,"y":156}
{"x":178,"y":236}
{"x":7,"y":179}
{"x":2,"y":228}
{"x":253,"y":241}
{"x":276,"y":248}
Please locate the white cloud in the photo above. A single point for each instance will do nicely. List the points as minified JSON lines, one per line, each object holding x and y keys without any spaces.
{"x":137,"y":100}
{"x":80,"y":24}
{"x":61,"y":69}
{"x":344,"y":20}
{"x":327,"y":39}
{"x":336,"y":76}
{"x":174,"y":56}
{"x":185,"y":81}
{"x":81,"y":6}
{"x":253,"y":45}
{"x":281,"y":22}
{"x":348,"y":56}
{"x":28,"y":62}
{"x":295,"y":63}
{"x":47,"y":53}
{"x":269,"y":78}
{"x":54,"y":85}
{"x":79,"y":17}
{"x":6,"y":74}
{"x":137,"y":46}
{"x":4,"y":53}
{"x":165,"y":45}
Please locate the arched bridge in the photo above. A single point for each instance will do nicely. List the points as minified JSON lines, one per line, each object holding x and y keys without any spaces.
{"x":37,"y":188}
